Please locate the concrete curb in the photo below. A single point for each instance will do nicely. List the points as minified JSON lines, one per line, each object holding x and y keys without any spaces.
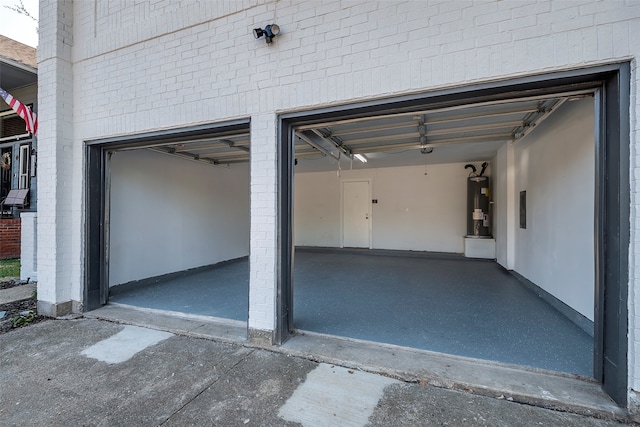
{"x":17,"y":293}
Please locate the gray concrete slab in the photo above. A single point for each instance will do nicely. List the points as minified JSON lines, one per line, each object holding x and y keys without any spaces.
{"x":124,"y":345}
{"x":224,"y":330}
{"x":250,"y":394}
{"x":411,"y":405}
{"x":332,"y":392}
{"x":531,"y":386}
{"x":16,"y":293}
{"x":46,"y":380}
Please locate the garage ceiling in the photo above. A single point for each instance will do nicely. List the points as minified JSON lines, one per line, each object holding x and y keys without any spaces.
{"x":462,"y":133}
{"x":222,"y":150}
{"x":465,"y":133}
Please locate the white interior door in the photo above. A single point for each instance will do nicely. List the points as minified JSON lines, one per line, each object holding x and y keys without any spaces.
{"x":356,"y":214}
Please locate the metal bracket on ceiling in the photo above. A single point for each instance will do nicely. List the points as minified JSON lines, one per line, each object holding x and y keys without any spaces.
{"x":192,"y":157}
{"x":326,"y":135}
{"x":534,"y":119}
{"x":422,"y":130}
{"x":232,"y":144}
{"x":316,"y":146}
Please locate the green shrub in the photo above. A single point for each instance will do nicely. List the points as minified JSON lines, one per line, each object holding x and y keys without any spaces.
{"x":24,"y":319}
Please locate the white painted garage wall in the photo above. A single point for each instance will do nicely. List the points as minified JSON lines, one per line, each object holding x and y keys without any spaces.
{"x":504,"y":205}
{"x":169,"y":215}
{"x":500,"y":233}
{"x":555,"y":165}
{"x":316,"y":210}
{"x":414,"y":211}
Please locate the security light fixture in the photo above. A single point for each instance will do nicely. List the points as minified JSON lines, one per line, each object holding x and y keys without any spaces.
{"x":269,"y":32}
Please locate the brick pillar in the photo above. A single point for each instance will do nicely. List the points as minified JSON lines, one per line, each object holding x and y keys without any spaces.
{"x":55,"y":157}
{"x":264,"y":209}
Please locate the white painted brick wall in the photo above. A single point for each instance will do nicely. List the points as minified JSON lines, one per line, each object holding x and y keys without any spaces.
{"x":56,"y":172}
{"x":262,"y":265}
{"x":199,"y":63}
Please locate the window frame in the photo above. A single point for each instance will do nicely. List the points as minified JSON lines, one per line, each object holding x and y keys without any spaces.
{"x":24,"y":166}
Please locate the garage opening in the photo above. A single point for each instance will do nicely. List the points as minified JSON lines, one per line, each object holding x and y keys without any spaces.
{"x":420,"y":230}
{"x":392,"y":246}
{"x":176,"y":235}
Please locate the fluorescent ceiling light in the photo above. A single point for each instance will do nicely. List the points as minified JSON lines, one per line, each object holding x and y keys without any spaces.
{"x":360,"y":157}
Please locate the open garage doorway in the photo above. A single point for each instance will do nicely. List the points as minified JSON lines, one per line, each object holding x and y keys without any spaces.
{"x":432,"y":292}
{"x":176,"y":235}
{"x":528,"y":292}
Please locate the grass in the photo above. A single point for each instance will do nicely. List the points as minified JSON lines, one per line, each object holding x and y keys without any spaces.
{"x":10,"y":268}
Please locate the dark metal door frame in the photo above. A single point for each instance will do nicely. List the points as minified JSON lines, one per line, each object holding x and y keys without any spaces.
{"x":96,"y":286}
{"x":611,"y":83}
{"x":612,"y":234}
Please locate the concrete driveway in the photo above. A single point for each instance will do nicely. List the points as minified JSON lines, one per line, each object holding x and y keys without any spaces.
{"x":97,"y":373}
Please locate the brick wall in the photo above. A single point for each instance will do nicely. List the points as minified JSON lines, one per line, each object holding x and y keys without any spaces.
{"x":9,"y":238}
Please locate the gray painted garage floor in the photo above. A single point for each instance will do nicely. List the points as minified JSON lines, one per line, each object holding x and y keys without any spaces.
{"x":219,"y":291}
{"x":463,"y":307}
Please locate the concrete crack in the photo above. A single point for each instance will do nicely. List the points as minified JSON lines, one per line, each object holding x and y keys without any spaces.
{"x":207,"y":387}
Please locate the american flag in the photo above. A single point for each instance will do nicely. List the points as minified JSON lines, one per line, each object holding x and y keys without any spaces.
{"x":22,"y":110}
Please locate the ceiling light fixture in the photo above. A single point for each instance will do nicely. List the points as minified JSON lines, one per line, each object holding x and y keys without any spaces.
{"x":269,"y":32}
{"x":360,"y":157}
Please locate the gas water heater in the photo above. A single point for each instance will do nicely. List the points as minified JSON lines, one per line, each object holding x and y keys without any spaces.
{"x":478,"y":221}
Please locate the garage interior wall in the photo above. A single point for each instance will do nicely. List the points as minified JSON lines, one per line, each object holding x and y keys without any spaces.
{"x":170,"y":214}
{"x":414,"y":212}
{"x":555,"y":165}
